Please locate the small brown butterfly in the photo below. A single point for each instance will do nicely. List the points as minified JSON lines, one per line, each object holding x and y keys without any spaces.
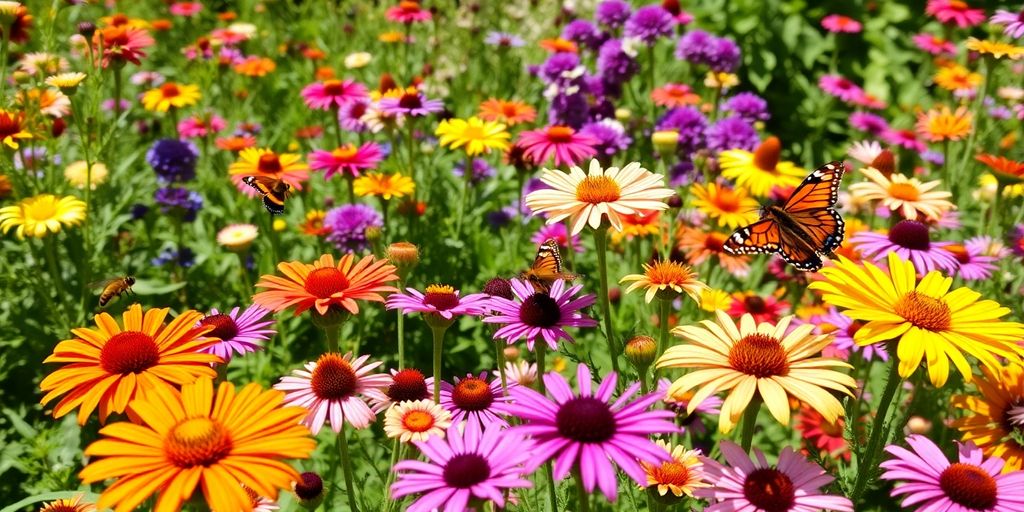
{"x":547,"y":267}
{"x":274,"y":192}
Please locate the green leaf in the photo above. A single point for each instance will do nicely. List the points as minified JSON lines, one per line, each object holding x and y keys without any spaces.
{"x":50,"y":496}
{"x":155,"y":287}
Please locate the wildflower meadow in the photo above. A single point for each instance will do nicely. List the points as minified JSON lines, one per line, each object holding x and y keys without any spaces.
{"x":525,"y":255}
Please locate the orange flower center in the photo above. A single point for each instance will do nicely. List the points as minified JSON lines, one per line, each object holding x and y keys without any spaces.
{"x":224,"y":328}
{"x":324,"y":282}
{"x":418,"y":421}
{"x":669,"y":272}
{"x":904,"y":192}
{"x":408,"y":385}
{"x":472,"y":394}
{"x":770,"y":490}
{"x":924,"y":311}
{"x":560,"y":134}
{"x":715,"y":242}
{"x":671,"y":473}
{"x":197,"y":442}
{"x":169,"y":90}
{"x":269,"y":163}
{"x":441,"y":296}
{"x":598,"y":189}
{"x":960,"y":252}
{"x":333,"y":88}
{"x":346,"y":152}
{"x":958,"y":5}
{"x":727,"y":200}
{"x":509,"y":109}
{"x":129,"y":352}
{"x":409,"y":6}
{"x":969,"y":486}
{"x":759,"y":355}
{"x":333,"y":378}
{"x":766,"y":156}
{"x":61,"y":506}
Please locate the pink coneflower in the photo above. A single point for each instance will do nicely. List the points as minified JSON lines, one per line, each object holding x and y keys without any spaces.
{"x":931,"y":482}
{"x":840,"y":87}
{"x":332,"y":94}
{"x":843,"y":328}
{"x":122,"y":44}
{"x":238,"y":333}
{"x":187,"y":9}
{"x":906,"y":139}
{"x":568,"y":146}
{"x":536,"y":314}
{"x":348,"y":159}
{"x":865,"y":151}
{"x":974,"y":266}
{"x":350,"y":115}
{"x":464,"y":465}
{"x":148,"y":79}
{"x":792,"y":485}
{"x":767,"y":308}
{"x":934,"y":45}
{"x":560,"y":233}
{"x":408,"y":385}
{"x":440,"y":300}
{"x":911,"y":240}
{"x":955,"y":12}
{"x":589,"y":432}
{"x":332,"y":388}
{"x":411,"y":103}
{"x":407,"y":12}
{"x":868,"y":122}
{"x":197,"y":127}
{"x":1013,"y":22}
{"x":473,"y":400}
{"x":228,"y":37}
{"x":837,"y":23}
{"x":867,"y":100}
{"x":988,"y":246}
{"x":680,"y":402}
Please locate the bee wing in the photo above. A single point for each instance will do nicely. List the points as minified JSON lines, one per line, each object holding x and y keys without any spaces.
{"x":102,"y":283}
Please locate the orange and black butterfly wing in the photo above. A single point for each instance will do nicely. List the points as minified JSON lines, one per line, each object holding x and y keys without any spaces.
{"x":824,"y":228}
{"x":547,"y":267}
{"x":273,"y":191}
{"x":763,"y":236}
{"x":819,"y":190}
{"x":798,"y":252}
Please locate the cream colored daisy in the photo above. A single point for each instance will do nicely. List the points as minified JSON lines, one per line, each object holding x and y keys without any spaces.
{"x":588,"y":197}
{"x":237,"y":237}
{"x":909,"y":196}
{"x":416,"y":421}
{"x":78,"y":174}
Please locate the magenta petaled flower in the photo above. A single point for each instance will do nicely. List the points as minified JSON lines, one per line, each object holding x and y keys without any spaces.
{"x":934,"y":45}
{"x":588,"y":432}
{"x":407,"y":12}
{"x":906,"y":139}
{"x":842,"y":335}
{"x":442,"y":300}
{"x":464,"y":465}
{"x":911,"y":240}
{"x":540,"y":315}
{"x":868,"y":122}
{"x":840,"y":87}
{"x":411,"y":103}
{"x":972,"y":483}
{"x":1013,"y":22}
{"x":566,"y":145}
{"x":792,"y":485}
{"x":837,"y":23}
{"x":238,"y":333}
{"x":351,"y":115}
{"x":974,"y":264}
{"x":474,"y":400}
{"x":347,"y":159}
{"x":560,"y":233}
{"x":408,"y":385}
{"x":955,"y":12}
{"x":332,"y":94}
{"x":198,"y":127}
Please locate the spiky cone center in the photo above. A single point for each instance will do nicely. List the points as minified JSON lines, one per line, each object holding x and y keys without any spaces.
{"x":598,"y":189}
{"x":911,"y":234}
{"x":408,"y":385}
{"x":269,"y":163}
{"x":924,"y":311}
{"x":472,"y":394}
{"x":197,"y":442}
{"x":767,"y":154}
{"x":442,"y":297}
{"x":770,"y":490}
{"x":585,"y":419}
{"x":170,"y":90}
{"x":540,"y":310}
{"x":224,"y":327}
{"x":324,"y":282}
{"x":969,"y":486}
{"x":333,"y":378}
{"x":410,"y":101}
{"x":759,"y":355}
{"x":465,"y":470}
{"x":560,"y":134}
{"x":670,"y":274}
{"x":403,"y":255}
{"x":129,"y":352}
{"x":671,"y":473}
{"x":345,"y":152}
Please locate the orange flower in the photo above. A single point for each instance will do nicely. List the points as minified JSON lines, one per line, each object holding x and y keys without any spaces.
{"x":324,"y":284}
{"x":507,"y":111}
{"x":674,"y":95}
{"x":939,"y":124}
{"x":1006,"y":170}
{"x":235,"y":143}
{"x":287,"y":167}
{"x":954,"y":77}
{"x":698,"y":245}
{"x":110,"y":365}
{"x":559,"y":45}
{"x":255,"y":66}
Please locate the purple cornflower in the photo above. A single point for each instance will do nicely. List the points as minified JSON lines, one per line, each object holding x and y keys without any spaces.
{"x":867,"y":122}
{"x":173,"y":160}
{"x":1000,"y":113}
{"x":691,"y":125}
{"x":732,"y":133}
{"x":614,"y":65}
{"x":440,"y":300}
{"x":559,"y":67}
{"x":568,"y":110}
{"x":238,"y":333}
{"x":724,"y":55}
{"x":747,"y":105}
{"x":411,"y":103}
{"x":180,"y":202}
{"x":933,"y":157}
{"x":842,"y":335}
{"x":590,"y":433}
{"x":612,"y":13}
{"x":35,"y":158}
{"x":501,"y":217}
{"x":540,"y":315}
{"x":481,"y":170}
{"x":347,"y":225}
{"x":472,"y":399}
{"x":1013,"y":22}
{"x":183,"y":258}
{"x":350,"y":115}
{"x":911,"y":240}
{"x":583,"y":33}
{"x":649,"y":23}
{"x":504,"y":40}
{"x":610,"y":134}
{"x":717,"y":53}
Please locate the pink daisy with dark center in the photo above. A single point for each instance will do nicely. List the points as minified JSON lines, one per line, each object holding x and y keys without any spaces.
{"x":566,"y":145}
{"x":438,"y":300}
{"x":333,"y":388}
{"x":911,"y":240}
{"x":535,"y":314}
{"x":475,"y":400}
{"x":238,"y":333}
{"x":333,"y":94}
{"x":348,"y":159}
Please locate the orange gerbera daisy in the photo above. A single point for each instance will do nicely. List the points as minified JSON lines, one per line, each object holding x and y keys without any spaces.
{"x":954,"y":77}
{"x":1004,"y":169}
{"x":324,"y":284}
{"x":559,"y":45}
{"x":674,"y":95}
{"x":111,"y":364}
{"x":698,"y":245}
{"x":223,"y":443}
{"x":287,"y":167}
{"x":510,"y":112}
{"x":939,"y":124}
{"x":255,"y":66}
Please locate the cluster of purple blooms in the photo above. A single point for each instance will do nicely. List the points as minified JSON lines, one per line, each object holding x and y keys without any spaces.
{"x":701,"y":48}
{"x":348,"y":225}
{"x":179,"y":202}
{"x":173,"y":160}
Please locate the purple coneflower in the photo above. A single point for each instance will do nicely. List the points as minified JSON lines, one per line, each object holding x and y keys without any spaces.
{"x":411,"y":103}
{"x":333,"y":94}
{"x":331,"y":388}
{"x":649,"y":23}
{"x":540,"y":315}
{"x":911,"y":240}
{"x":840,"y":87}
{"x":238,"y":333}
{"x":347,"y":225}
{"x":842,"y":335}
{"x":440,"y":300}
{"x":906,"y":139}
{"x":873,"y":124}
{"x":974,"y":266}
{"x":472,"y":399}
{"x":408,"y":385}
{"x":561,"y":235}
{"x":504,"y":40}
{"x":1013,"y":22}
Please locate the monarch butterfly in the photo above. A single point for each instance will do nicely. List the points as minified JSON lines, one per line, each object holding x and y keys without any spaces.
{"x":547,"y":267}
{"x":273,"y":191}
{"x":801,"y":230}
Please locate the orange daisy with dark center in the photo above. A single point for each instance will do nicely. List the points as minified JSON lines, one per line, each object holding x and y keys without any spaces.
{"x":560,"y":134}
{"x":333,"y":378}
{"x":408,"y":385}
{"x":924,"y":311}
{"x":197,"y":442}
{"x":585,"y":419}
{"x":269,"y":163}
{"x":969,"y":486}
{"x":129,"y":352}
{"x":325,"y":282}
{"x":770,"y":490}
{"x":466,"y":470}
{"x":540,"y":310}
{"x":598,"y":189}
{"x":759,"y":355}
{"x":472,"y":394}
{"x":910,"y":234}
{"x":441,"y":297}
{"x":224,"y":328}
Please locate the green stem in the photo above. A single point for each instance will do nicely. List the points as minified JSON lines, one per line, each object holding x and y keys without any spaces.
{"x":499,"y":357}
{"x":58,"y":279}
{"x":401,"y":338}
{"x":993,"y":218}
{"x":749,"y":422}
{"x":467,"y":177}
{"x":541,"y":350}
{"x":865,"y":467}
{"x":665,"y":310}
{"x":969,"y":147}
{"x":336,"y":124}
{"x":346,"y":469}
{"x":583,"y":501}
{"x":332,"y":334}
{"x":438,"y":343}
{"x":3,"y":60}
{"x":601,"y":241}
{"x":396,"y":454}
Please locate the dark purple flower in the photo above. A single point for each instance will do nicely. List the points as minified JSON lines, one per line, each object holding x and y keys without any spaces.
{"x":1017,"y":240}
{"x":501,"y":218}
{"x":614,"y":65}
{"x":649,"y":23}
{"x":694,"y":46}
{"x":747,"y":105}
{"x":173,"y":160}
{"x":178,"y":201}
{"x":732,"y":133}
{"x":691,"y":125}
{"x":583,"y":33}
{"x":724,"y":55}
{"x":481,"y":170}
{"x":569,"y":110}
{"x":557,"y":66}
{"x":683,"y":174}
{"x":184,"y":258}
{"x":610,"y":134}
{"x":612,"y":13}
{"x":138,"y":211}
{"x":868,"y":122}
{"x":348,"y":224}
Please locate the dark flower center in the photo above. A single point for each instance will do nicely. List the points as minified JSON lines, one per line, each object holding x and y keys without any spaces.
{"x":466,"y":470}
{"x":129,"y":352}
{"x":770,"y":490}
{"x":969,"y":486}
{"x":755,"y":305}
{"x":472,"y":394}
{"x":310,"y":486}
{"x":333,"y":378}
{"x":540,"y":310}
{"x":560,"y":134}
{"x":224,"y":328}
{"x":910,"y":234}
{"x":410,"y":101}
{"x":759,"y":355}
{"x":441,"y":297}
{"x":269,"y":163}
{"x":325,"y":282}
{"x":585,"y":419}
{"x":333,"y":88}
{"x":408,"y":385}
{"x":499,"y":287}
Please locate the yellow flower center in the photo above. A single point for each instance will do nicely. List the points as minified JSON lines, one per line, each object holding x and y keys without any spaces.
{"x":671,"y":473}
{"x":759,"y":355}
{"x":197,"y":442}
{"x":325,"y":282}
{"x":41,"y":210}
{"x":598,"y":189}
{"x":418,"y":421}
{"x":473,"y":132}
{"x":441,"y":296}
{"x":345,"y":152}
{"x":924,"y":311}
{"x":904,"y":192}
{"x":670,"y":273}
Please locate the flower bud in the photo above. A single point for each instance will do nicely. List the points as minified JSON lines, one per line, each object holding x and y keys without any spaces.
{"x":403,"y":255}
{"x":511,"y":353}
{"x":280,"y":225}
{"x":334,"y":317}
{"x":499,"y":287}
{"x":641,"y":351}
{"x":918,"y":425}
{"x":623,"y":114}
{"x":665,"y":142}
{"x":309,"y":489}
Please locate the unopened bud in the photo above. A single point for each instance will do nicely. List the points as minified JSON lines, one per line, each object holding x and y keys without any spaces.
{"x":403,"y":255}
{"x":641,"y":351}
{"x":499,"y":287}
{"x":310,"y":490}
{"x":665,"y":141}
{"x":511,"y":354}
{"x":918,"y":425}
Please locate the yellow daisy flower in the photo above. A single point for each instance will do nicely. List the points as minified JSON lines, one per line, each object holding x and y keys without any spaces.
{"x":731,"y":207}
{"x":926,"y":319}
{"x":384,"y":185}
{"x":955,"y":77}
{"x":66,"y":82}
{"x":939,"y":124}
{"x":667,"y":280}
{"x":994,"y":419}
{"x":170,"y":95}
{"x":37,"y":216}
{"x":680,"y":475}
{"x":712,"y":300}
{"x":474,"y":135}
{"x":996,"y":49}
{"x":760,"y":171}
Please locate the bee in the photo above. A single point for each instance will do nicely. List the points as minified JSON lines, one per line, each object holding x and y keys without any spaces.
{"x":274,"y":192}
{"x":547,"y":267}
{"x":115,"y":288}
